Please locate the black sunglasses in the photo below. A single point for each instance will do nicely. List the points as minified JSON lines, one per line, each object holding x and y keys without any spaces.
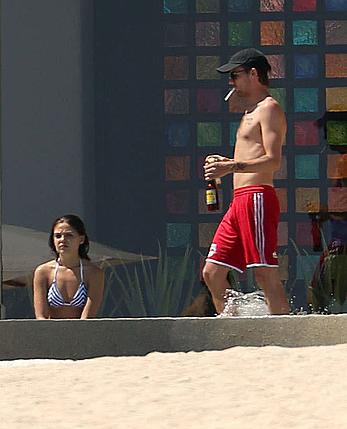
{"x":234,"y":75}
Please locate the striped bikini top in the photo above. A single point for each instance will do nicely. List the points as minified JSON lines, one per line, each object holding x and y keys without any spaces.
{"x":55,"y":298}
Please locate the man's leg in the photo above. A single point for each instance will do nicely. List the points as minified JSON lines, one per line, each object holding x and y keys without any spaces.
{"x":215,"y":277}
{"x":269,"y":280}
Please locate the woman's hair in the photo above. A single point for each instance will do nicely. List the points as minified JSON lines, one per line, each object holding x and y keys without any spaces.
{"x":76,"y":223}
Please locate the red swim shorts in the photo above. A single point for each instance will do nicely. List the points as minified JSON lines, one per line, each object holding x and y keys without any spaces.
{"x":247,"y":234}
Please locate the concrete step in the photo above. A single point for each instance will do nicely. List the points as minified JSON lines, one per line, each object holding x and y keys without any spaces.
{"x":81,"y":339}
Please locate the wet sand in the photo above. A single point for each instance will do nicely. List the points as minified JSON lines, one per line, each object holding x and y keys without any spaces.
{"x":241,"y":388}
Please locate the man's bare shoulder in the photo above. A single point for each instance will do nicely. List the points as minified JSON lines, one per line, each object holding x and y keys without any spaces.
{"x":271,"y":105}
{"x":269,"y":108}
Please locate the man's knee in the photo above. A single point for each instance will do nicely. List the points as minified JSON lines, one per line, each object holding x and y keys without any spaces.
{"x":212,"y":273}
{"x":268,"y":275}
{"x":208,"y":274}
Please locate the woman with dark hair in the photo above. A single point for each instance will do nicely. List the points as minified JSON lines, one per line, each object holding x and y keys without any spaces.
{"x":69,"y":286}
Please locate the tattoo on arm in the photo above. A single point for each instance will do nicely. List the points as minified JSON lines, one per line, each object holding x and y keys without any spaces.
{"x":239,"y":166}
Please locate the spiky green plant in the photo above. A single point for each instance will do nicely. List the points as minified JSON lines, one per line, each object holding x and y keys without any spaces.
{"x":327,"y":281}
{"x":151,"y":288}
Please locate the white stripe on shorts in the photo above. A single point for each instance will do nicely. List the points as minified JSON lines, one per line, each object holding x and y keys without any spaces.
{"x":258,"y":204}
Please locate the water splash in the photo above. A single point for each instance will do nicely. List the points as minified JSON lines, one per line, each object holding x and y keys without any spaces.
{"x":245,"y":304}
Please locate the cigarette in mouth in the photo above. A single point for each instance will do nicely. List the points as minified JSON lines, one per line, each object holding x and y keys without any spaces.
{"x":229,"y":94}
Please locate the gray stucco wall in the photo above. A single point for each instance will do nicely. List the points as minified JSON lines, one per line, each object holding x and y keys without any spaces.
{"x":46,"y":110}
{"x":82,"y":117}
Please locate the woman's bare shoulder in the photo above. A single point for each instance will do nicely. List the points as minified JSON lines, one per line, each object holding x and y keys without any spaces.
{"x":46,"y":267}
{"x":92,"y":268}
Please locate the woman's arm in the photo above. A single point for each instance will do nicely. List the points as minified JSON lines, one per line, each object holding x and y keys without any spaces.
{"x":95,"y":282}
{"x":40,"y":293}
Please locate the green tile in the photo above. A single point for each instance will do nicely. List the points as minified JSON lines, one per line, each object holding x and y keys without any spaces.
{"x":175,"y":6}
{"x":305,"y":33}
{"x":209,"y":134}
{"x":233,"y":127}
{"x":207,"y":6}
{"x":206,"y":67}
{"x":337,"y":133}
{"x":178,"y":234}
{"x":240,"y":33}
{"x":305,"y":99}
{"x":279,"y":94}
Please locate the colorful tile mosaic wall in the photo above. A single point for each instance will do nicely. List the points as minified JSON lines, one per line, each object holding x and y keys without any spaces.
{"x":305,"y":42}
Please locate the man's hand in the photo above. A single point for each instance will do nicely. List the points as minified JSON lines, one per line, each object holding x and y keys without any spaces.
{"x":219,"y":166}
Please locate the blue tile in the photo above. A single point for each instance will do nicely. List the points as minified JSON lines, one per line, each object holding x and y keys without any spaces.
{"x":240,"y":5}
{"x":336,"y":5}
{"x":306,"y":66}
{"x":233,"y":127}
{"x":177,"y":134}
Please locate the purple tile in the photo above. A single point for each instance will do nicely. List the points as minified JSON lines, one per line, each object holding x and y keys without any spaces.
{"x":176,"y":101}
{"x":178,"y":202}
{"x":208,"y":100}
{"x":207,"y":34}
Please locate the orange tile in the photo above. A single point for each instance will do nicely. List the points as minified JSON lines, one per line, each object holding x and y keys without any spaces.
{"x":336,"y":65}
{"x":272,"y":33}
{"x":337,"y":166}
{"x":176,"y":68}
{"x":282,"y":235}
{"x":283,"y":199}
{"x":337,"y":199}
{"x":177,"y":168}
{"x":336,"y":99}
{"x":307,"y":200}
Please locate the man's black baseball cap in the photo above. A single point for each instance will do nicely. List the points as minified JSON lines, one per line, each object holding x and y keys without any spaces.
{"x":249,"y":56}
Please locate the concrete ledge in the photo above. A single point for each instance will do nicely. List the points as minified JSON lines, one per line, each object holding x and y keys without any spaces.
{"x":81,"y":339}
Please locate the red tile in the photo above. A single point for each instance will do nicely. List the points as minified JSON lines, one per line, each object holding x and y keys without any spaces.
{"x":306,"y":133}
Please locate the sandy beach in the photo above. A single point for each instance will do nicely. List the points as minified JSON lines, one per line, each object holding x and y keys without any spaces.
{"x":241,"y":387}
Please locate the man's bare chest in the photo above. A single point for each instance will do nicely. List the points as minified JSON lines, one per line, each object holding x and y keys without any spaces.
{"x":249,"y":129}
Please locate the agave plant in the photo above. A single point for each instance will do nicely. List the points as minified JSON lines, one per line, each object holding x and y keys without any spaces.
{"x":326,"y":281}
{"x":151,"y":288}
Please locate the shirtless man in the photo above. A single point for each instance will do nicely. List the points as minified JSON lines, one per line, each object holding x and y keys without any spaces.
{"x":247,"y":235}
